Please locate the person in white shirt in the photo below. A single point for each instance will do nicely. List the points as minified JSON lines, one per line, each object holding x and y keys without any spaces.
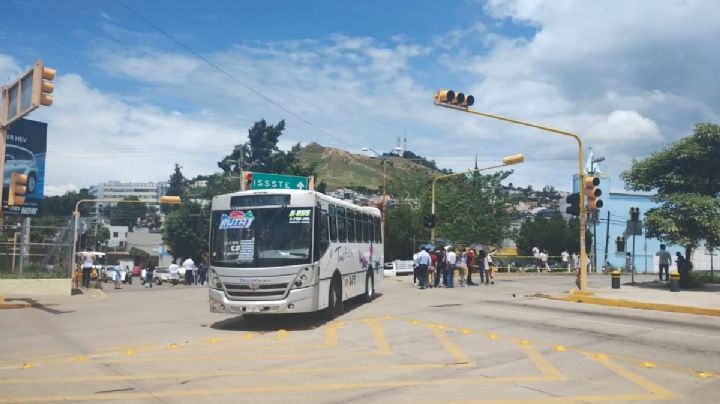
{"x":174,"y":273}
{"x":189,"y":265}
{"x":544,"y":258}
{"x":423,"y":262}
{"x":490,"y":274}
{"x":87,"y":266}
{"x":451,"y":260}
{"x":565,"y":262}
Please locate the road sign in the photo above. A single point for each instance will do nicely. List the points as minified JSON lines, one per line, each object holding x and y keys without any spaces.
{"x":634,"y":228}
{"x":278,"y":181}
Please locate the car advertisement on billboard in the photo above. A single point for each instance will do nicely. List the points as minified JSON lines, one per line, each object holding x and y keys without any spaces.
{"x":25,"y":154}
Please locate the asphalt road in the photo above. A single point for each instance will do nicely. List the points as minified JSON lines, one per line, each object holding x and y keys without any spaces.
{"x":494,"y":344}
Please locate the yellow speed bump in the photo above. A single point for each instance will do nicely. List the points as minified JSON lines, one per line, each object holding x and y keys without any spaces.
{"x":647,"y":364}
{"x":465,"y":331}
{"x":250,"y":335}
{"x":703,"y":374}
{"x":213,"y":340}
{"x":524,"y":342}
{"x":600,"y":356}
{"x":414,"y":322}
{"x":389,"y":317}
{"x":27,"y":365}
{"x":130,"y":352}
{"x":493,"y":336}
{"x":81,"y":358}
{"x":173,"y":346}
{"x":560,"y":348}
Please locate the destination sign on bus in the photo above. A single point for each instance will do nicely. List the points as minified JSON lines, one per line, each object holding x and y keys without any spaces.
{"x":246,"y":201}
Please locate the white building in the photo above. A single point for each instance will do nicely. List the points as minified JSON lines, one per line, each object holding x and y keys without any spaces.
{"x":145,"y":191}
{"x":118,"y":236}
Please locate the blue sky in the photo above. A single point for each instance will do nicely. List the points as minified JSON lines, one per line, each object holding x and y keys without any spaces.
{"x":630,"y":77}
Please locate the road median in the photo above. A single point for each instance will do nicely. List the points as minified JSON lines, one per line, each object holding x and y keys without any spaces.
{"x":598,"y":299}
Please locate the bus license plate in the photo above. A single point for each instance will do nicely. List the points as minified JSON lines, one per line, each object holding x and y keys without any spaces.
{"x":252,"y":309}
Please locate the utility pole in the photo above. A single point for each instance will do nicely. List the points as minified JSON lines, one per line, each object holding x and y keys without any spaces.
{"x":607,"y":238}
{"x":24,"y":242}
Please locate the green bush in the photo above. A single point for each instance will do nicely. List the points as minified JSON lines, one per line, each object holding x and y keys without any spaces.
{"x":35,"y":272}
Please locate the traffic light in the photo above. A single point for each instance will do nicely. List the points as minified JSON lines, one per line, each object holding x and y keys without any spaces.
{"x":18,"y":187}
{"x":573,"y":201}
{"x":620,"y":244}
{"x":450,"y":97}
{"x":593,"y":193}
{"x":247,"y":180}
{"x":634,"y":214}
{"x":43,"y":85}
{"x":429,"y":221}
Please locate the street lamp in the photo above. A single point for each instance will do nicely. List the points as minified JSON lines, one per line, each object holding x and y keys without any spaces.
{"x":449,"y":99}
{"x":167,"y":199}
{"x":506,"y":161}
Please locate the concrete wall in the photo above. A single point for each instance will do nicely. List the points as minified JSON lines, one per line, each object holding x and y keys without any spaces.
{"x":62,"y":287}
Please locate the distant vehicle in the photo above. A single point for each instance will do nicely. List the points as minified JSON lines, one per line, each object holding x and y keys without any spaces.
{"x":137,"y":270}
{"x":22,"y":161}
{"x":160,"y":275}
{"x":398,"y":267}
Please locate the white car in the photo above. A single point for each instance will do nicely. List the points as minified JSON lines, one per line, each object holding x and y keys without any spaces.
{"x":160,"y":275}
{"x":398,"y":267}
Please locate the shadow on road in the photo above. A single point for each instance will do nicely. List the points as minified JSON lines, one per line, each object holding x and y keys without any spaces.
{"x":288,"y":322}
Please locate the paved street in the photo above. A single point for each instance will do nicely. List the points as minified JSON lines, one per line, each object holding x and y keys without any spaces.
{"x":476,"y":344}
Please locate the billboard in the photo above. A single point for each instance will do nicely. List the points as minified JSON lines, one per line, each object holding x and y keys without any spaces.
{"x":25,"y":154}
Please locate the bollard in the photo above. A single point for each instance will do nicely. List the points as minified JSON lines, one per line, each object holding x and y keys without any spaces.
{"x":674,"y":282}
{"x":615,"y":275}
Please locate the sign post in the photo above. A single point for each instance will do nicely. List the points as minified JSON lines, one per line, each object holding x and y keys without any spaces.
{"x":279,"y":181}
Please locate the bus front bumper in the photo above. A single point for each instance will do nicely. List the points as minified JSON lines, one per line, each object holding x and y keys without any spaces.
{"x":297,"y":301}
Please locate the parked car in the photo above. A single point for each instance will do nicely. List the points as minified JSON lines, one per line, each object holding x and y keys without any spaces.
{"x":107,"y":274}
{"x":398,"y":267}
{"x":159,"y":276}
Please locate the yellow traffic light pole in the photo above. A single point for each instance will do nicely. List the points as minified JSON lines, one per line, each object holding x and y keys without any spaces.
{"x":583,"y":253}
{"x":509,"y":160}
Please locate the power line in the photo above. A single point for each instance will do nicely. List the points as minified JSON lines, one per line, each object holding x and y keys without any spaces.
{"x":221,"y":70}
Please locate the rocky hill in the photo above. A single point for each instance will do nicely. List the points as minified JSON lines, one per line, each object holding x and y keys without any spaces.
{"x":341,"y":169}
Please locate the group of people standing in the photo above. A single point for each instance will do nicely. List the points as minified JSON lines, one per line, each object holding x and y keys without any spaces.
{"x":194,"y":274}
{"x":451,"y":267}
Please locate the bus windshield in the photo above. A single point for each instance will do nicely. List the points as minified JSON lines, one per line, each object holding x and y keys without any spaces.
{"x":263,"y":237}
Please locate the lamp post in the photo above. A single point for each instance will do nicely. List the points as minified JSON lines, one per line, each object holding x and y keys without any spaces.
{"x":171,"y":200}
{"x":448,"y":99}
{"x":507,"y":161}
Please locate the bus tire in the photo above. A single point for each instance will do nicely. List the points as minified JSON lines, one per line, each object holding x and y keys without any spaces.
{"x":335,"y":304}
{"x":369,"y":286}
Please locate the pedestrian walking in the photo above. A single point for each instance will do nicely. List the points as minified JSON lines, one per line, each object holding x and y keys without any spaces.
{"x":680,"y":261}
{"x":441,"y":270}
{"x":202,"y":271}
{"x":189,"y":266}
{"x":423,"y":262}
{"x":117,"y":276}
{"x":470,"y":264}
{"x":544,"y":260}
{"x":536,"y":257}
{"x":450,"y":269}
{"x":565,"y":262}
{"x":174,"y":271}
{"x":87,"y":266}
{"x":149,"y":274}
{"x":432,"y":270}
{"x":665,"y":260}
{"x":415,"y":267}
{"x":481,"y":266}
{"x":628,"y":262}
{"x":489,"y":275}
{"x":462,"y":268}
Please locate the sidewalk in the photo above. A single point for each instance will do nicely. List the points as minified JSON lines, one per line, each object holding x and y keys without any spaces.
{"x":651,"y":296}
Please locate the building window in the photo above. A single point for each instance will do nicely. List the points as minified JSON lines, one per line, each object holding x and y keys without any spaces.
{"x":115,"y":234}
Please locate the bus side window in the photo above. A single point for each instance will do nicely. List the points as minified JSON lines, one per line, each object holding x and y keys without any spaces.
{"x":351,"y":225}
{"x":342,"y":225}
{"x":378,"y":233}
{"x":367,"y":237}
{"x":333,"y":223}
{"x":322,"y":241}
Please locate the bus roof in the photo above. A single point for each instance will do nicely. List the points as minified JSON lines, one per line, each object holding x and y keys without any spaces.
{"x":366,"y":209}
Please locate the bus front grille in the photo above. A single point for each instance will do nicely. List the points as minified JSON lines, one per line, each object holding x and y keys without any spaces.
{"x":267,"y":291}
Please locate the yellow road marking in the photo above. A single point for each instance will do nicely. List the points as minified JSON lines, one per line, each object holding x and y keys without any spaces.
{"x":331,"y":335}
{"x":449,"y":345}
{"x":561,"y":400}
{"x":383,"y":347}
{"x":547,"y":369}
{"x":656,"y":391}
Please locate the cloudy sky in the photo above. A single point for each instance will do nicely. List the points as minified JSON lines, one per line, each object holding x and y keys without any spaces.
{"x":143,"y":85}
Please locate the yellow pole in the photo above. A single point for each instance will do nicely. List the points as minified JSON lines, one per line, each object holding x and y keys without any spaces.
{"x":581,"y":176}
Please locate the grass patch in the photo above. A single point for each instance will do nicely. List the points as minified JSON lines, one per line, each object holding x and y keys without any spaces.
{"x":35,"y":273}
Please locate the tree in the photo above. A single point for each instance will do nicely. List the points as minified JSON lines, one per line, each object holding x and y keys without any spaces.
{"x":64,"y":205}
{"x":686,"y":176}
{"x":551,"y":233}
{"x":177,"y":187}
{"x":186,"y":230}
{"x":139,"y":256}
{"x":128,"y":214}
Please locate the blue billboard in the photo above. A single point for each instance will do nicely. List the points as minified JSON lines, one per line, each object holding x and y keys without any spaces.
{"x":25,"y":154}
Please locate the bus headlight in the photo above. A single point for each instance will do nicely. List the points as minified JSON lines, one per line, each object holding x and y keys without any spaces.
{"x":305,"y":277}
{"x":214,"y":280}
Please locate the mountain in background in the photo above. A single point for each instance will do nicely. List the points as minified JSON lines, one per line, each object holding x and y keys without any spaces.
{"x":341,"y":169}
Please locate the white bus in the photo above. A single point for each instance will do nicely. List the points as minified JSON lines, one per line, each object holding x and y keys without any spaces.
{"x":291,"y":251}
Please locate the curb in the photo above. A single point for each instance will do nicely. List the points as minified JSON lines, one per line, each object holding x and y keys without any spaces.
{"x":636,"y":305}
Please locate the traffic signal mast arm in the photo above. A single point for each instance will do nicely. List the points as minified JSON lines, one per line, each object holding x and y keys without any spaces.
{"x":443,"y":99}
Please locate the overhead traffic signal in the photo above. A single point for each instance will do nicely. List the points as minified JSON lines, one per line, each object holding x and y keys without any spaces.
{"x":620,"y":244}
{"x":18,"y":187}
{"x":247,"y":180}
{"x":573,"y":201}
{"x":593,"y":193}
{"x":429,"y":222}
{"x":450,"y":97}
{"x":43,"y":85}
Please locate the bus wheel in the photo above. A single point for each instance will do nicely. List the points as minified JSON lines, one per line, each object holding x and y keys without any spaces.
{"x":369,"y":287}
{"x":335,"y":305}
